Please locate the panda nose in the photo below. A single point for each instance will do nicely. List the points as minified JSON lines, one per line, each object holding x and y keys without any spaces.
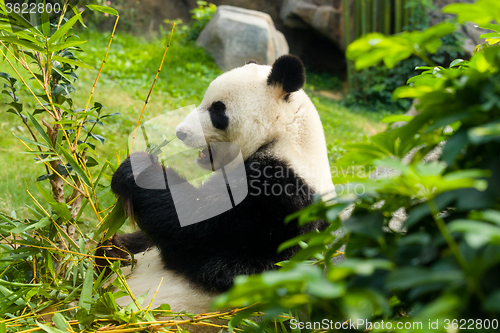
{"x":181,"y":135}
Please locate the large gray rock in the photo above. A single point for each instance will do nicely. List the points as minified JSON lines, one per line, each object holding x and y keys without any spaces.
{"x":323,"y":16}
{"x":236,"y":35}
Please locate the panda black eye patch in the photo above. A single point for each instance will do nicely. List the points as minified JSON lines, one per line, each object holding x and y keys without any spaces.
{"x":218,"y":115}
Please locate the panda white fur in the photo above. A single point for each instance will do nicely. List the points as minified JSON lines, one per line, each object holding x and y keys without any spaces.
{"x":264,"y":111}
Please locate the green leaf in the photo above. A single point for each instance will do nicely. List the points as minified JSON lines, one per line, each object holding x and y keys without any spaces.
{"x":58,"y":71}
{"x":482,"y":12}
{"x":366,"y":224}
{"x":43,"y":177}
{"x":456,"y":62}
{"x":85,"y":301}
{"x":65,"y":45}
{"x":97,"y":137}
{"x":49,"y":329}
{"x":103,"y":9}
{"x":72,"y":62}
{"x":364,"y":267}
{"x":476,"y":233}
{"x":75,"y":165}
{"x":60,"y":322}
{"x":113,"y":221}
{"x":7,"y":77}
{"x":20,"y":20}
{"x":63,"y":29}
{"x":22,"y":42}
{"x":45,"y":221}
{"x":412,"y":277}
{"x":326,"y":290}
{"x":489,"y":26}
{"x":394,"y":119}
{"x":40,"y":129}
{"x":490,"y":35}
{"x":44,"y":17}
{"x":76,"y":11}
{"x":492,"y":303}
{"x":59,"y":207}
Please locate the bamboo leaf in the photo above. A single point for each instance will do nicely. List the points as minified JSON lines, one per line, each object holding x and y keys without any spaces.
{"x":76,"y":11}
{"x":61,"y":73}
{"x":43,"y":222}
{"x":20,"y":20}
{"x":44,"y":17}
{"x":75,"y":165}
{"x":72,"y":62}
{"x":25,"y":140}
{"x":60,"y":322}
{"x":86,"y":295}
{"x":40,"y":130}
{"x":60,"y":46}
{"x":113,"y":221}
{"x":63,"y":29}
{"x":25,"y":34}
{"x":103,"y":9}
{"x":49,"y":329}
{"x":22,"y":42}
{"x":59,"y":207}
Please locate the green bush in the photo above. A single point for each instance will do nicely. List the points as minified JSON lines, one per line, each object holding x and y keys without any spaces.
{"x":372,"y":87}
{"x":201,"y":15}
{"x":438,"y":271}
{"x":47,"y":277}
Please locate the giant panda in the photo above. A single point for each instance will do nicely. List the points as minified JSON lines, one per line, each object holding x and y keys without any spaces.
{"x":266,"y":114}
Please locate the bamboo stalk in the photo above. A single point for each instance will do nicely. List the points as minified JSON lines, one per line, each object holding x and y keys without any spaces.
{"x":387,"y":17}
{"x":95,"y":84}
{"x":398,"y":11}
{"x":368,"y":10}
{"x":357,"y":18}
{"x":375,"y":24}
{"x":406,"y":11}
{"x":152,"y":85}
{"x":347,"y":35}
{"x":364,"y":18}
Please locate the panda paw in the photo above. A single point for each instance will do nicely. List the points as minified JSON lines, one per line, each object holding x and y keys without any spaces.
{"x":109,"y":251}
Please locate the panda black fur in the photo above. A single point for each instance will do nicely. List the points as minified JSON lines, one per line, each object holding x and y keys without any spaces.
{"x":275,"y":132}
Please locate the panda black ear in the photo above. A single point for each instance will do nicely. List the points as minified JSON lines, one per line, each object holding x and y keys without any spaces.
{"x":288,"y":72}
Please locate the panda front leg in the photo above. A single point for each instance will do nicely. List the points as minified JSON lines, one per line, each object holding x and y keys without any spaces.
{"x":118,"y":247}
{"x":153,"y":209}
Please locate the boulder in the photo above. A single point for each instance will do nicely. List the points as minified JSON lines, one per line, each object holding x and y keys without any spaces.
{"x":324,"y":17}
{"x":236,"y":35}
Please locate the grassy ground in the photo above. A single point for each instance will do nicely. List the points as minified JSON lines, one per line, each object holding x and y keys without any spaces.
{"x":123,"y":87}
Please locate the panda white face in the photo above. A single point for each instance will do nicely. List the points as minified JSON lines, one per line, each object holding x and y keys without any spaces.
{"x":255,"y":105}
{"x":240,"y":107}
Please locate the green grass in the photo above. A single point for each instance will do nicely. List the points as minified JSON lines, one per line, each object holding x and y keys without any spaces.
{"x":124,"y":84}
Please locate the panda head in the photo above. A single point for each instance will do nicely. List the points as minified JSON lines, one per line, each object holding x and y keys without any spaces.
{"x":248,"y":106}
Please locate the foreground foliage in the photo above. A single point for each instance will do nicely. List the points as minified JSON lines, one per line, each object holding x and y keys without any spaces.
{"x":372,"y":86}
{"x":441,"y":265}
{"x":47,"y":276}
